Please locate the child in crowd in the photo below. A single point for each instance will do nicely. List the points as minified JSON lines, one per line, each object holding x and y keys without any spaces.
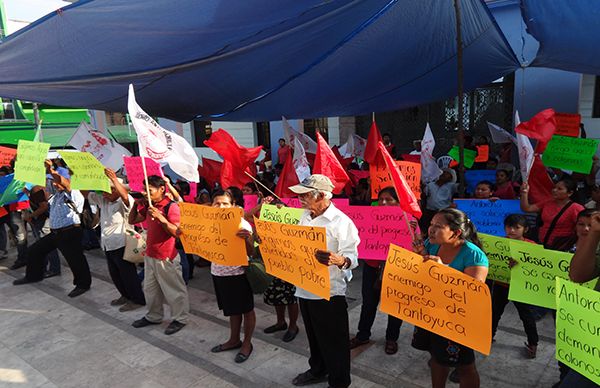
{"x":505,"y":188}
{"x":484,"y":190}
{"x":515,"y":226}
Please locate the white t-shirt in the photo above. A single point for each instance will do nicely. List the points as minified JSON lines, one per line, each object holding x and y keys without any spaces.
{"x":113,"y":220}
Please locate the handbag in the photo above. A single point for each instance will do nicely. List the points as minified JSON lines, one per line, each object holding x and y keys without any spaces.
{"x":257,"y":276}
{"x":135,"y":246}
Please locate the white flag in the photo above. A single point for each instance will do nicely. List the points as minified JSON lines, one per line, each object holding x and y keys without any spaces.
{"x":309,"y":144}
{"x":106,"y":150}
{"x":430,"y":171}
{"x":500,"y":135}
{"x":161,"y":145}
{"x":300,"y":162}
{"x":525,"y":151}
{"x":359,"y":146}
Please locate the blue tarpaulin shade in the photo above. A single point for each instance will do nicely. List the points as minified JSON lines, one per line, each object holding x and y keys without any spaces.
{"x":253,"y":60}
{"x":568,"y":33}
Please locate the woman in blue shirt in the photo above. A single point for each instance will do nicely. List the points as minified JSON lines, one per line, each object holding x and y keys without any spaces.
{"x":452,"y":241}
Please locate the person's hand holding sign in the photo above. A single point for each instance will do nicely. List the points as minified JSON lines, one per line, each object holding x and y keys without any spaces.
{"x":330,"y":258}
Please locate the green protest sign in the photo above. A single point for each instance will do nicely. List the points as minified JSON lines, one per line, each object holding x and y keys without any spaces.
{"x":532,"y":280}
{"x":88,"y":172}
{"x":470,"y":156}
{"x":578,"y":328}
{"x":284,"y":215}
{"x":570,"y":153}
{"x":497,"y":250}
{"x":29,"y":166}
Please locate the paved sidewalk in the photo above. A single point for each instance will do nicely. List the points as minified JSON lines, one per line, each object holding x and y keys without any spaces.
{"x":51,"y":340}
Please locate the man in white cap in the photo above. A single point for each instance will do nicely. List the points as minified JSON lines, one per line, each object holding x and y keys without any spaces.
{"x":326,"y":321}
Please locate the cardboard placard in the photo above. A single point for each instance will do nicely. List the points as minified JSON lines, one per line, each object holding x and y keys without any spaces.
{"x":532,"y":281}
{"x":135,"y":171}
{"x":29,"y":166}
{"x":284,"y":215}
{"x":288,"y":252}
{"x":567,"y":124}
{"x":380,"y":178}
{"x":577,"y":328}
{"x":488,"y":216}
{"x":497,"y":250}
{"x":437,"y":298}
{"x":210,"y":232}
{"x":88,"y":172}
{"x":7,"y":155}
{"x":570,"y":153}
{"x":469,"y":155}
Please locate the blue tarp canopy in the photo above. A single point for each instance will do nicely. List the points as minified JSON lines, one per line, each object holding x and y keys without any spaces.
{"x":256,"y":60}
{"x":568,"y":33}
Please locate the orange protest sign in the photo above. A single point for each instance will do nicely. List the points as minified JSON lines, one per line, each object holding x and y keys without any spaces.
{"x":288,"y":252}
{"x":567,"y":124}
{"x":210,"y":233}
{"x":483,"y":153}
{"x":380,"y":178}
{"x":7,"y":155}
{"x":437,"y":298}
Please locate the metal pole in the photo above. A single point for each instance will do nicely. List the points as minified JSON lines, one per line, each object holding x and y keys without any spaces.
{"x":36,"y":120}
{"x":460,"y":79}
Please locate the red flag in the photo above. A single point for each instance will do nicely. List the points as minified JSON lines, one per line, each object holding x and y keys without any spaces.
{"x":210,"y":170}
{"x":540,"y":184}
{"x":327,"y":164}
{"x":541,"y":127}
{"x":372,"y":142}
{"x":287,"y":178}
{"x":344,"y":161}
{"x":236,"y":158}
{"x":408,"y":201}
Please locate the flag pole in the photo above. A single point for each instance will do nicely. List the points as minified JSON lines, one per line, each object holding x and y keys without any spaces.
{"x":146,"y":180}
{"x":412,"y":234}
{"x":460,"y":81}
{"x":265,"y":187}
{"x":373,"y":117}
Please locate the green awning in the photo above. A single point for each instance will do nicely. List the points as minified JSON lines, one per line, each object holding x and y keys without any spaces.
{"x":123,"y":133}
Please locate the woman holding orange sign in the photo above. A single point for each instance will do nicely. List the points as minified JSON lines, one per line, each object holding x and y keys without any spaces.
{"x":234,"y":295}
{"x":452,"y":241}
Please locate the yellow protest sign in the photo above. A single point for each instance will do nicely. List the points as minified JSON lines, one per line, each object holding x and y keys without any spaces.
{"x":29,"y":166}
{"x":88,"y":172}
{"x":437,"y":298}
{"x":209,"y":232}
{"x":288,"y":252}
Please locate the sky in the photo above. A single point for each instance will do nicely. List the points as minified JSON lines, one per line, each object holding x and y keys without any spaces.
{"x":19,"y":13}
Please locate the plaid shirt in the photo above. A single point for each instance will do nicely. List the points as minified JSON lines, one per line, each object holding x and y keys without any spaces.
{"x":65,"y":208}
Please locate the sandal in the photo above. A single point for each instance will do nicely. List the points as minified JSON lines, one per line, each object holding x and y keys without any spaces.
{"x":531,"y":350}
{"x":355,"y":342}
{"x":391,"y":347}
{"x":220,"y":348}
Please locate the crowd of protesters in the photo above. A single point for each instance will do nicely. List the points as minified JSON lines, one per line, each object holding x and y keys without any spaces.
{"x":55,"y":214}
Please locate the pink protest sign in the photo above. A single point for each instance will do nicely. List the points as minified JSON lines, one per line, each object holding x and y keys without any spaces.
{"x":250,"y":201}
{"x":135,"y":172}
{"x":191,"y":197}
{"x":378,"y":226}
{"x":341,"y":202}
{"x":292,"y":202}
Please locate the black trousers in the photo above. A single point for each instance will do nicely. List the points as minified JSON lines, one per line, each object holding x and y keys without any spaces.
{"x":124,"y":276}
{"x":368,"y":310}
{"x":499,"y":302}
{"x":68,"y":242}
{"x":327,"y":330}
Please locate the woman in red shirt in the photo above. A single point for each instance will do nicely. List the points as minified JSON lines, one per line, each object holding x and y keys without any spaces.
{"x":559,"y":214}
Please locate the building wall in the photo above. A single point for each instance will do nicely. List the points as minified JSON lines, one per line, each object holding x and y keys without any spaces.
{"x":586,"y":101}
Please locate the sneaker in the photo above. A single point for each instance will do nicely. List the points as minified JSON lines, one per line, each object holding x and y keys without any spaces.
{"x":174,"y":327}
{"x":118,"y":302}
{"x":77,"y":291}
{"x":129,"y":306}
